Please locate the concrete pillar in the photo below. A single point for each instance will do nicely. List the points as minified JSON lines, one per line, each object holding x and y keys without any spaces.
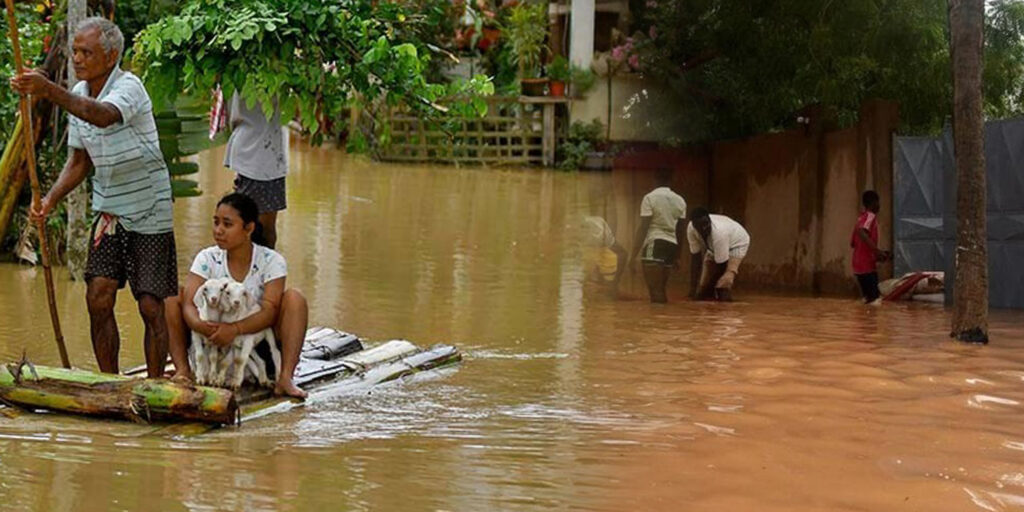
{"x":581,"y":26}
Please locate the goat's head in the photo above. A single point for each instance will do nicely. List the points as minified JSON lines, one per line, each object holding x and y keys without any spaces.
{"x":235,"y":297}
{"x":210,"y":293}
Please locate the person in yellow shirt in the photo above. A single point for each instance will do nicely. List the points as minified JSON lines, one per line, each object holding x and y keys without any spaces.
{"x":604,"y":259}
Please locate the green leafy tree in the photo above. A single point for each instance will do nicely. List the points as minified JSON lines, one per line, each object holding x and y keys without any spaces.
{"x":744,"y":67}
{"x":316,"y":57}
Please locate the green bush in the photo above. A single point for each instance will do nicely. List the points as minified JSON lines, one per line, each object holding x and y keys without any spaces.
{"x":582,"y":139}
{"x":582,"y":81}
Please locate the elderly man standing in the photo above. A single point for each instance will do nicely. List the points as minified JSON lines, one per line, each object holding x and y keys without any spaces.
{"x":112,"y":134}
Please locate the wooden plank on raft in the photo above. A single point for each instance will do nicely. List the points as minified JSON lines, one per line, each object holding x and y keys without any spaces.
{"x":330,"y":358}
{"x":359,"y":371}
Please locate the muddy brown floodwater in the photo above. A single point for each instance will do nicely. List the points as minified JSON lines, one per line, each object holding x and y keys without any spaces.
{"x":567,"y":400}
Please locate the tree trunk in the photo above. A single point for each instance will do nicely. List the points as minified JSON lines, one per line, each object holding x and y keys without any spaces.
{"x":970,"y":293}
{"x":115,"y":396}
{"x":78,"y":199}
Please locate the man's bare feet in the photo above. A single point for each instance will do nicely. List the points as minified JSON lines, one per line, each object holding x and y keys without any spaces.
{"x":287,"y":388}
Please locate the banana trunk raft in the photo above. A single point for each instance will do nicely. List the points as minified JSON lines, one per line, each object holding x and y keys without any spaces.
{"x":330,"y":359}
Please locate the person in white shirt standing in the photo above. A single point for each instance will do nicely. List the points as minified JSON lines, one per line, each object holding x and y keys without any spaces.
{"x":662,"y":219}
{"x":258,"y":153}
{"x":718,"y":245}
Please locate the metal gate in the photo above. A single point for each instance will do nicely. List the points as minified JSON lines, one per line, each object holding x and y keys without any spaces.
{"x":924,"y":208}
{"x":918,"y":204}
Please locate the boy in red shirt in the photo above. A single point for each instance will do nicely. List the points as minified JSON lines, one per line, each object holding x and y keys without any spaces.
{"x":866,"y":253}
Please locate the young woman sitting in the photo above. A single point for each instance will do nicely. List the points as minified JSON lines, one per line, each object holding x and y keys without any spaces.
{"x":238,"y":255}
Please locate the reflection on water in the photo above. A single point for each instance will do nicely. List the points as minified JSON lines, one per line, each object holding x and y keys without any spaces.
{"x":566,"y":399}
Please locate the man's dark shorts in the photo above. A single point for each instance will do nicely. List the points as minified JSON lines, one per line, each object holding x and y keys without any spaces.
{"x":660,"y":252}
{"x":148,"y":262}
{"x":269,"y":195}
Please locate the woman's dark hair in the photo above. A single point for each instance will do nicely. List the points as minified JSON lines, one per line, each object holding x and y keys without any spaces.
{"x":699,"y":213}
{"x":248,"y":211}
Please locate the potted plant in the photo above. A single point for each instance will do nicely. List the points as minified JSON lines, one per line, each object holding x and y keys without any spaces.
{"x":525,"y":30}
{"x":559,"y":74}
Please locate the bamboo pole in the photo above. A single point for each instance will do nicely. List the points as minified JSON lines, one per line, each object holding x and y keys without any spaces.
{"x":30,"y":155}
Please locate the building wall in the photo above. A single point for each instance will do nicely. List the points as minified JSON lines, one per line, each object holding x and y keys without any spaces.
{"x":642,"y":109}
{"x":766,"y":183}
{"x":840,"y":206}
{"x":797,"y":192}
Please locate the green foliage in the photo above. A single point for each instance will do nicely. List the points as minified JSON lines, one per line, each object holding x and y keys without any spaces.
{"x":182,"y":168}
{"x":317,"y":57}
{"x":525,"y":28}
{"x":435,"y":31}
{"x":501,"y":67}
{"x":1003,"y":78}
{"x":582,"y":140}
{"x":32,"y":30}
{"x":582,"y":81}
{"x":183,"y":131}
{"x":559,"y":70}
{"x":132,"y":16}
{"x":185,"y":188}
{"x":744,"y":67}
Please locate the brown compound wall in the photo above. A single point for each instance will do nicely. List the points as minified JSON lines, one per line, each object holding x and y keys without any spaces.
{"x":797,"y":192}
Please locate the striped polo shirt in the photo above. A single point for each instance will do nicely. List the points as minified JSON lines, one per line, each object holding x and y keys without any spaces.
{"x":130,"y":179}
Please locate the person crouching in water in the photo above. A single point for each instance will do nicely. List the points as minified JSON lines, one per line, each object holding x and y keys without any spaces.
{"x":866,"y":253}
{"x":718,"y":245}
{"x":604,"y":259}
{"x":662,"y":219}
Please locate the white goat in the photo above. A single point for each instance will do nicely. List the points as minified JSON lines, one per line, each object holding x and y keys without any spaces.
{"x":236,"y":305}
{"x":207,"y":300}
